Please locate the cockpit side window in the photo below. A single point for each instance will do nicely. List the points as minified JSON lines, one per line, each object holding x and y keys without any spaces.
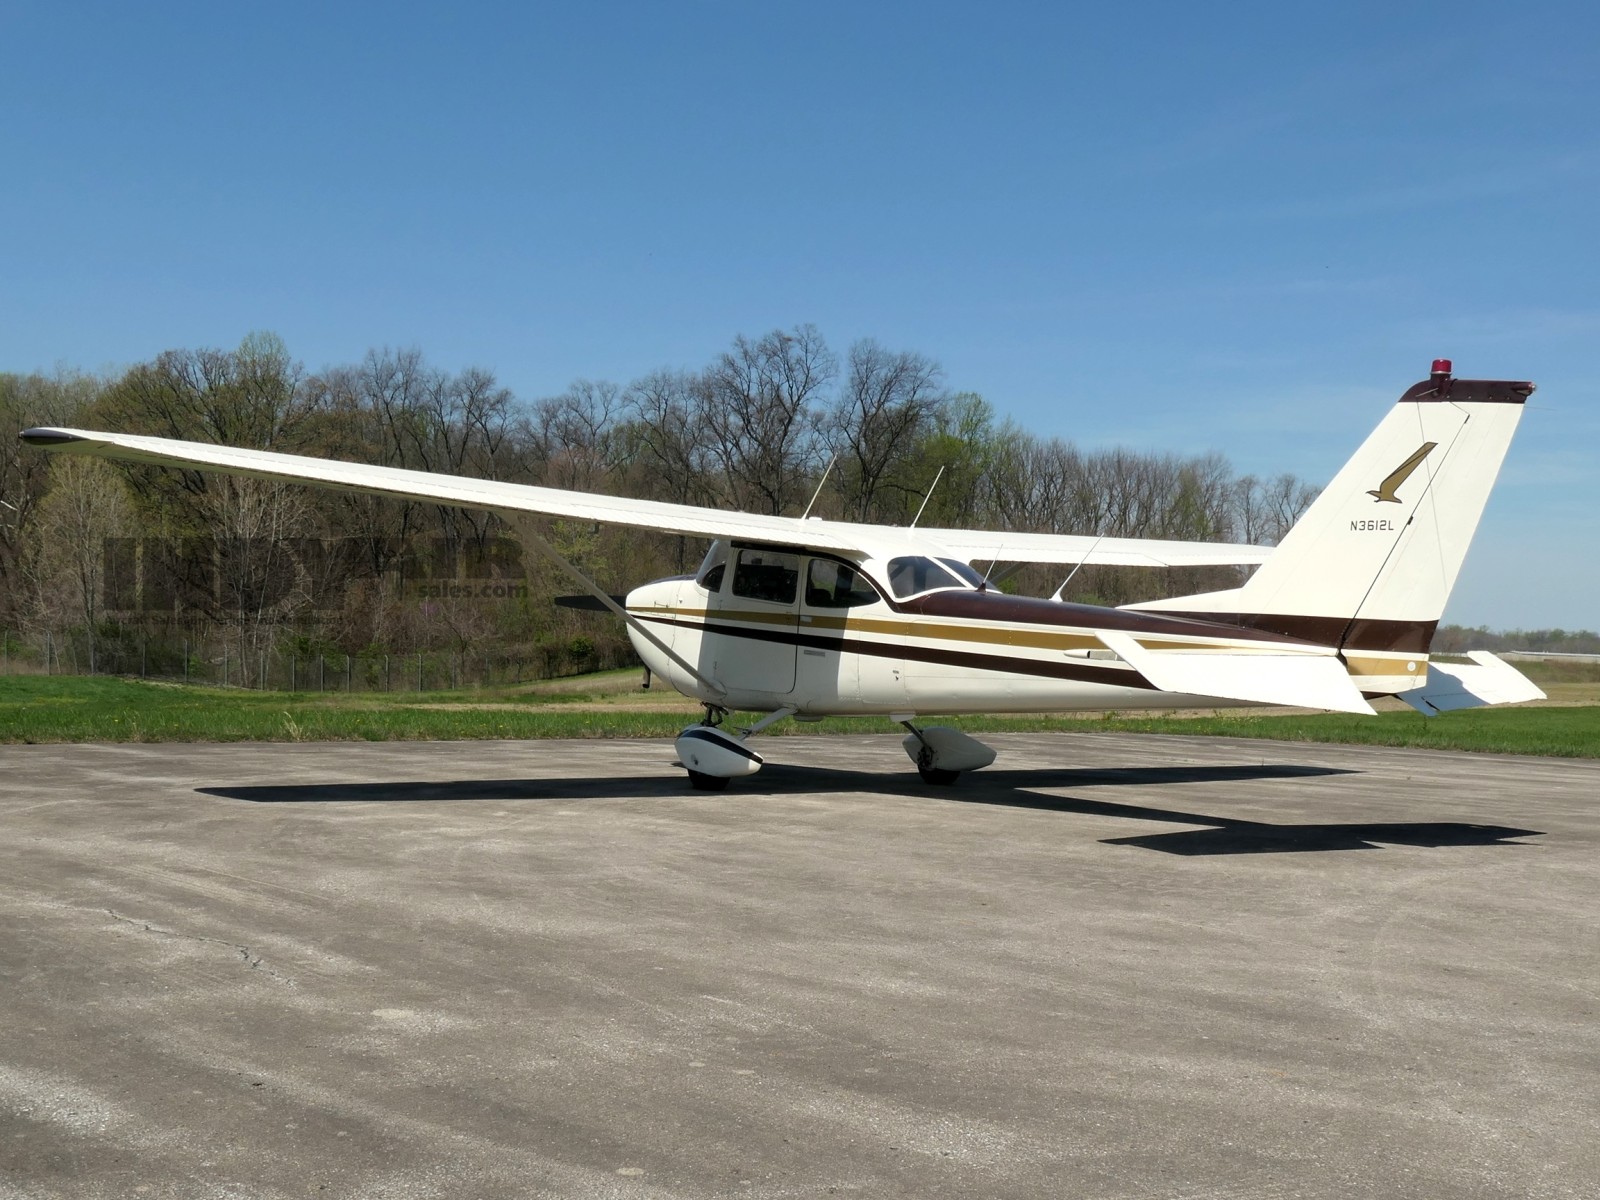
{"x":767,"y":575}
{"x":913,"y":574}
{"x":832,"y":584}
{"x":713,"y":567}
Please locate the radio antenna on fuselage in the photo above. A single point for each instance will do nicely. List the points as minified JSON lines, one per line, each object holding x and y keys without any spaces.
{"x":928,"y":497}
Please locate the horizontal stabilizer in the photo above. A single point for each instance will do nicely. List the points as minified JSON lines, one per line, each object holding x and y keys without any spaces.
{"x":1456,"y":685}
{"x":1300,"y":680}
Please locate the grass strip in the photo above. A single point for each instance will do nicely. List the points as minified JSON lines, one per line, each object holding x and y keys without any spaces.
{"x":103,"y":709}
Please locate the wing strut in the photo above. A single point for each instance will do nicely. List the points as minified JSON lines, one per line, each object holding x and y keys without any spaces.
{"x":611,"y":605}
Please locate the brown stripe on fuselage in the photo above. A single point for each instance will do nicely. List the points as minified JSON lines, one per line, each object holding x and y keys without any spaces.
{"x":1115,"y":673}
{"x":1029,"y":610}
{"x":981,"y":614}
{"x":1364,"y":633}
{"x":991,"y":634}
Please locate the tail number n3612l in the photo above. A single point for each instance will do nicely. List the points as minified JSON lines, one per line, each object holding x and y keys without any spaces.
{"x":1371,"y":526}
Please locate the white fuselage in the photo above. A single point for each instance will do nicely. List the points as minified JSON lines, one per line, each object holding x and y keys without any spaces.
{"x":953,"y":650}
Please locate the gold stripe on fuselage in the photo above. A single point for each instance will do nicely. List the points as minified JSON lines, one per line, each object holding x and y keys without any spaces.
{"x":992,"y":635}
{"x":1359,"y":665}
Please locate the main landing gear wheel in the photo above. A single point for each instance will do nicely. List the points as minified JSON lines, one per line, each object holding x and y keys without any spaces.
{"x":940,"y":753}
{"x":701,"y":782}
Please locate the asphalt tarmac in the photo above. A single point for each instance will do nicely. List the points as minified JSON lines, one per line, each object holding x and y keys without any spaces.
{"x":1109,"y":966}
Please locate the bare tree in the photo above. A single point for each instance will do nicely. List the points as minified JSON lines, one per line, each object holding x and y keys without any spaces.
{"x":756,"y":407}
{"x":887,"y":401}
{"x":259,"y":585}
{"x":666,"y":445}
{"x":577,"y":434}
{"x":667,"y":456}
{"x":26,"y":401}
{"x":84,"y":507}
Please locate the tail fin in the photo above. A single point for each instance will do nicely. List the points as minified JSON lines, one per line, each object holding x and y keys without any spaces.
{"x":1369,"y":566}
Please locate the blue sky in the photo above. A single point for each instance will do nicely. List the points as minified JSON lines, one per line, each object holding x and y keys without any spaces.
{"x":1183,"y":227}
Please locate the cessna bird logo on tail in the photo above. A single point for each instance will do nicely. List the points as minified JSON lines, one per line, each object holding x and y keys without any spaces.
{"x":1385,"y":490}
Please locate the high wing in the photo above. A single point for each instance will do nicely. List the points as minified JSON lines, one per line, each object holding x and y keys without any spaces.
{"x":839,"y":536}
{"x":991,"y":545}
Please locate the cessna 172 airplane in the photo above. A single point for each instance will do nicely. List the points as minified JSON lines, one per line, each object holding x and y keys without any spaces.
{"x":809,"y":618}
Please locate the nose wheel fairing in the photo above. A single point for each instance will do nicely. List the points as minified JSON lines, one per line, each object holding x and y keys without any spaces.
{"x":712,"y":756}
{"x":942,"y":753}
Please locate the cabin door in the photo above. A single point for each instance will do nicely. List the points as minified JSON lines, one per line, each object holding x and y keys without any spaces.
{"x":753,"y":620}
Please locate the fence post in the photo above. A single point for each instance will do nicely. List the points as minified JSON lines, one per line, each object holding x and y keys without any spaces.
{"x":419,"y":672}
{"x":322,"y":672}
{"x":348,"y":664}
{"x":47,"y":670}
{"x":386,"y":673}
{"x":294,"y":663}
{"x":186,"y":660}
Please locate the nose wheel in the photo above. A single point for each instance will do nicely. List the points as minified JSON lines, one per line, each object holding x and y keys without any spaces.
{"x":712,"y":756}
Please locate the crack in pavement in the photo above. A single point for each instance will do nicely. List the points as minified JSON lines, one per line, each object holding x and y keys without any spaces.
{"x":254,"y":962}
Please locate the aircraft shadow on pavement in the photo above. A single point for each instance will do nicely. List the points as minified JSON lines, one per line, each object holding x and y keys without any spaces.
{"x":1231,"y":835}
{"x":1012,"y":789}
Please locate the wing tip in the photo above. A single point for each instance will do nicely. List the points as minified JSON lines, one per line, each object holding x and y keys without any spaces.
{"x":44,"y":436}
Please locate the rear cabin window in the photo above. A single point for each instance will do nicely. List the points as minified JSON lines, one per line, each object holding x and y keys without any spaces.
{"x":834,"y":585}
{"x":911,"y":576}
{"x":766,"y":575}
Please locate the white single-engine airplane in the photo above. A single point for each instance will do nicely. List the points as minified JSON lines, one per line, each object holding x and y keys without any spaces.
{"x":811,"y":618}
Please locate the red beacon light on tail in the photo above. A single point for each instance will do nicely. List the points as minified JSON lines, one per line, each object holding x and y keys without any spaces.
{"x":1441,"y":366}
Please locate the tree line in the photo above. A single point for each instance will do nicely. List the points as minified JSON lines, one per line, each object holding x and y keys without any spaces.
{"x":98,"y":559}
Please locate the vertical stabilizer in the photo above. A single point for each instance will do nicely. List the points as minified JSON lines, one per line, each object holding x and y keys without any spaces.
{"x":1371,"y":563}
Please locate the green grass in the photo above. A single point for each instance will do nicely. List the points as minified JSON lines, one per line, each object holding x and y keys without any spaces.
{"x":1553,"y":732}
{"x":100,"y":709}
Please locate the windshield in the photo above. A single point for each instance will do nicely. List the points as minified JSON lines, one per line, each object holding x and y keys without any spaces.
{"x":913,"y":574}
{"x":714,"y":566}
{"x":970,"y":574}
